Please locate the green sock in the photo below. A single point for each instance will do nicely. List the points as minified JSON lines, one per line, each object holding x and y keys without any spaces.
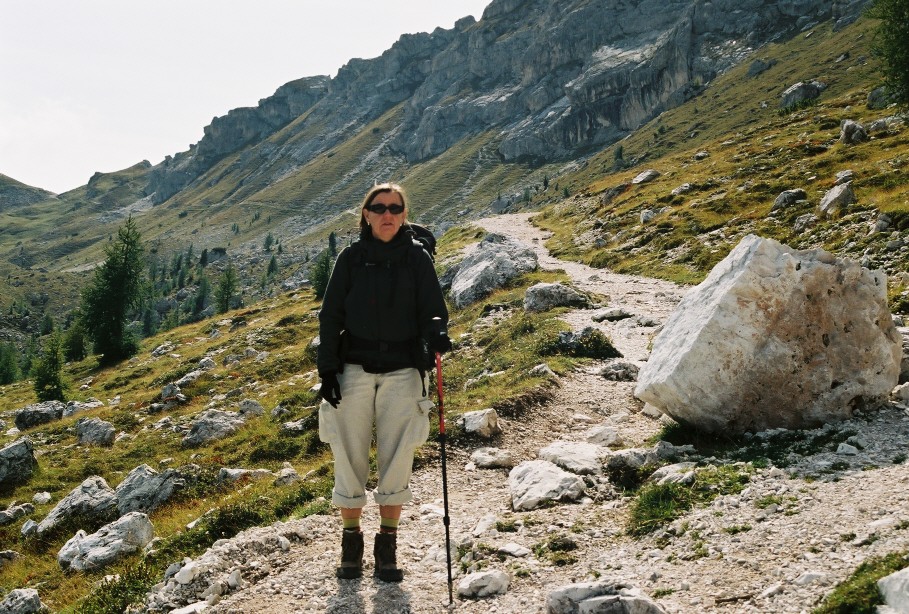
{"x":388,"y":525}
{"x":351,"y":524}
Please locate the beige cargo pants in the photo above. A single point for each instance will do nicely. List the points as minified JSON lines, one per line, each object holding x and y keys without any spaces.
{"x":395,"y":404}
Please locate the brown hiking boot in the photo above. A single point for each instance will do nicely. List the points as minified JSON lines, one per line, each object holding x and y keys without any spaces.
{"x":384,"y":551}
{"x":351,"y":555}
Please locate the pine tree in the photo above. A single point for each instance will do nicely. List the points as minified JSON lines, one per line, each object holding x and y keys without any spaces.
{"x":49,"y":384}
{"x":891,"y":46}
{"x":9,"y":365}
{"x":227,"y":287}
{"x":272,"y":267}
{"x":29,"y":357}
{"x":203,"y":293}
{"x":150,"y":321}
{"x":114,"y":291}
{"x":321,"y":273}
{"x":269,"y":241}
{"x":74,"y":341}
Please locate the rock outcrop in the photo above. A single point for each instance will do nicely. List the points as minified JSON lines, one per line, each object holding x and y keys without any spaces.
{"x":774,"y":337}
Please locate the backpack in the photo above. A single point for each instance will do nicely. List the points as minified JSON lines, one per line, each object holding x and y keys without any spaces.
{"x":423,"y":235}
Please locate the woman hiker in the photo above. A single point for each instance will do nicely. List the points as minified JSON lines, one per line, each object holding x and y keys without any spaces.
{"x":383,"y":317}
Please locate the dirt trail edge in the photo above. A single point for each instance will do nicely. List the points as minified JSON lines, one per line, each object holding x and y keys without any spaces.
{"x":779,"y":546}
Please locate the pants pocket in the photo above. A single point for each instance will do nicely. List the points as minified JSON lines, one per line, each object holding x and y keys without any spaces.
{"x":418,"y":432}
{"x":328,"y":423}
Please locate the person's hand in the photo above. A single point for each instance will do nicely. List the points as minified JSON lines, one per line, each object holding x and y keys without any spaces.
{"x":331,"y":388}
{"x":439,"y":343}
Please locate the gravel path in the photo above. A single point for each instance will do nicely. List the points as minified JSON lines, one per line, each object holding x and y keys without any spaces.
{"x":741,"y":554}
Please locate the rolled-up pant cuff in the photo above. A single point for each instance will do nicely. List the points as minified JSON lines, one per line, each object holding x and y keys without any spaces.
{"x":351,"y":502}
{"x":398,"y":498}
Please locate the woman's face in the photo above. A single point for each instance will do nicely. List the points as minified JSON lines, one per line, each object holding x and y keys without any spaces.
{"x":385,"y":225}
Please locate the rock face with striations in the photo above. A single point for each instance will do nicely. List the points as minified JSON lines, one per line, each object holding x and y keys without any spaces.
{"x":774,"y":337}
{"x":552,"y":78}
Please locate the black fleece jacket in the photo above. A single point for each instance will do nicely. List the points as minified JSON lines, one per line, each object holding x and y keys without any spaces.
{"x":380,"y":292}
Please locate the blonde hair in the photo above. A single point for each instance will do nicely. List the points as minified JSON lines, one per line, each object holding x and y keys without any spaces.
{"x":381,"y":188}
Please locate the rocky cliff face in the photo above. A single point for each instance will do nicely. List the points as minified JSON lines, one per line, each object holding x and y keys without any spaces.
{"x":554,"y":78}
{"x":231,"y":132}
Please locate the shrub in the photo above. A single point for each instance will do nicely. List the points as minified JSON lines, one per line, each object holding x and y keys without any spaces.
{"x":116,"y":593}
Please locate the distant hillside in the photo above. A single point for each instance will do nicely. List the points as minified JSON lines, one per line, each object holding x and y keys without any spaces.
{"x":16,"y":194}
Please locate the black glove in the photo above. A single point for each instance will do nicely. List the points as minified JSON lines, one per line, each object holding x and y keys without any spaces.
{"x":439,"y":343}
{"x":331,"y":388}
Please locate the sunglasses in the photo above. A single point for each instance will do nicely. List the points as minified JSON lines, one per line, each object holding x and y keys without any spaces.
{"x":380,"y":209}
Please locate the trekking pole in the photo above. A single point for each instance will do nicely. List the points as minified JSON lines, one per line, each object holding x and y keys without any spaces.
{"x":445,"y":519}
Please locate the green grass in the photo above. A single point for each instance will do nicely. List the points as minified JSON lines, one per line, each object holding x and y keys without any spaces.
{"x":557,"y":550}
{"x":657,"y":505}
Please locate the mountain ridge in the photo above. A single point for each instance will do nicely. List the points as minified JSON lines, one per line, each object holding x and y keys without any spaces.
{"x":295,"y":165}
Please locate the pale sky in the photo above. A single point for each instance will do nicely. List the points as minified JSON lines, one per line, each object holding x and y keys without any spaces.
{"x":99,"y":85}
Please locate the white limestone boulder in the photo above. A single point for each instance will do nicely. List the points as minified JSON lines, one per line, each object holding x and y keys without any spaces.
{"x":602,"y":596}
{"x":107,"y":545}
{"x":837,"y":199}
{"x":93,"y":498}
{"x":576,"y":456}
{"x":495,"y":261}
{"x":774,"y":337}
{"x":145,"y":490}
{"x":23,"y":601}
{"x":895,"y":590}
{"x":483,"y":584}
{"x":492,"y":458}
{"x":535,"y":482}
{"x":95,"y":432}
{"x":604,"y":435}
{"x":211,"y":425}
{"x":483,"y":423}
{"x":17,"y":461}
{"x":546,"y":296}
